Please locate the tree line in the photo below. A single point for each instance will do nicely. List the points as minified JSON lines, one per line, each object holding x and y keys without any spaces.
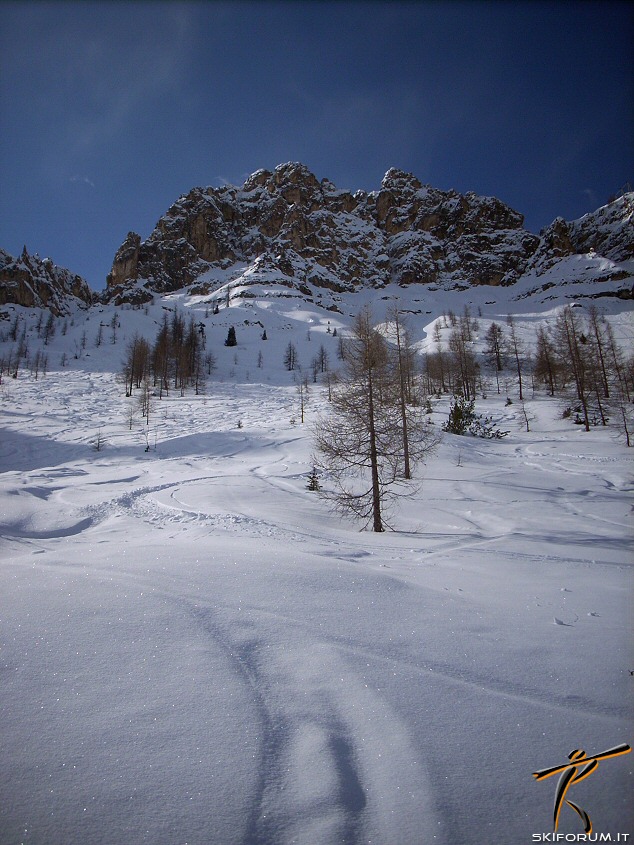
{"x":576,"y":358}
{"x":176,"y":360}
{"x":375,"y":430}
{"x":579,"y":356}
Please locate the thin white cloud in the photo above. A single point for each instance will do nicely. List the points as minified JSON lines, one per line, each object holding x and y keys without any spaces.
{"x":591,"y":196}
{"x":231,"y":182}
{"x":134,"y":80}
{"x":83,"y":179}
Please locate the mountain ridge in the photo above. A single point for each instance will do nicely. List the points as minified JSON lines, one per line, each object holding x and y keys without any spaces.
{"x":317,"y":234}
{"x":35,"y":282}
{"x":310,"y":235}
{"x":285,"y":227}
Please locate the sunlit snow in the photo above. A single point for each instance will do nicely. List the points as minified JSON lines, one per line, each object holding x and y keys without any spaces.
{"x":196,"y":651}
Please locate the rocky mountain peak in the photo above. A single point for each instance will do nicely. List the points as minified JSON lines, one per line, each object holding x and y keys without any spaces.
{"x":35,"y":282}
{"x":292,"y":175}
{"x":399,"y":180}
{"x":607,"y":232}
{"x":258,"y":179}
{"x":311,"y":234}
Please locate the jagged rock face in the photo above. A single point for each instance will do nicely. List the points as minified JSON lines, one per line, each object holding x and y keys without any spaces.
{"x":286,"y":222}
{"x":315,"y":233}
{"x":435,"y":235}
{"x":126,"y":262}
{"x":608,"y":232}
{"x":33,"y":282}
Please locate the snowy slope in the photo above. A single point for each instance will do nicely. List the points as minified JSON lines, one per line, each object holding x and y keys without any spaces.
{"x":195,"y":650}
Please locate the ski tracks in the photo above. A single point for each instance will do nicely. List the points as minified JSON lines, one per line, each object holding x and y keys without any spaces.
{"x":337,"y":764}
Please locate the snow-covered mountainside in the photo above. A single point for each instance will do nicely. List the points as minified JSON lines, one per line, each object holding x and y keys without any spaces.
{"x":286,"y":226}
{"x":195,"y":649}
{"x":35,"y":282}
{"x":600,"y":244}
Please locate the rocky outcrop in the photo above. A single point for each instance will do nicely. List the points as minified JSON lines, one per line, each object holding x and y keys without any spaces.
{"x":608,"y":232}
{"x":286,"y":226}
{"x":125,"y":266}
{"x":435,"y":236}
{"x":313,"y":233}
{"x":35,"y":282}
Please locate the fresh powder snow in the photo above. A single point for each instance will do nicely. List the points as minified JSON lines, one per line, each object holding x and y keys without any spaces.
{"x":194,"y":650}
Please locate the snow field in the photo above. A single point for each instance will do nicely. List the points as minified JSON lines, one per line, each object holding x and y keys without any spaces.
{"x":193,"y":649}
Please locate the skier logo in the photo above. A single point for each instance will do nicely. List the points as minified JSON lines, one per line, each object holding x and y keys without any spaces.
{"x":577,"y":770}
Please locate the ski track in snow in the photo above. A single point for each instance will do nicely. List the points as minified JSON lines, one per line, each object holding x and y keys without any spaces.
{"x":310,"y":751}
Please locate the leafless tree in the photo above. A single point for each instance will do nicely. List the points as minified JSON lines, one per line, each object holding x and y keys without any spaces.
{"x":360,"y":441}
{"x":403,"y":371}
{"x":464,"y":365}
{"x":545,"y":365}
{"x":516,"y":348}
{"x":145,"y":401}
{"x":137,"y":363}
{"x":527,"y":417}
{"x":99,"y":442}
{"x":570,"y":341}
{"x":210,"y":363}
{"x":598,"y":335}
{"x":303,"y":393}
{"x":161,"y":363}
{"x":440,"y":356}
{"x":494,"y":349}
{"x":290,"y":356}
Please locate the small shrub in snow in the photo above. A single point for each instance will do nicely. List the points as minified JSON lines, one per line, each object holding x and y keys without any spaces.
{"x":464,"y":420}
{"x":313,"y":481}
{"x":461,"y":415}
{"x":99,"y":442}
{"x":484,"y":427}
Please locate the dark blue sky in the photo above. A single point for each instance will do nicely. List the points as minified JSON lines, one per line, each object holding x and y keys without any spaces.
{"x":110,"y":111}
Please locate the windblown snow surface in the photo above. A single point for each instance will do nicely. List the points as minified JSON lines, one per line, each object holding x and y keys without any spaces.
{"x":196,"y":651}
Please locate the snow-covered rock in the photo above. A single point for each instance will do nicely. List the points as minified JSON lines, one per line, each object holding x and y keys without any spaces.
{"x":321,"y":236}
{"x":607,"y":232}
{"x":35,"y":282}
